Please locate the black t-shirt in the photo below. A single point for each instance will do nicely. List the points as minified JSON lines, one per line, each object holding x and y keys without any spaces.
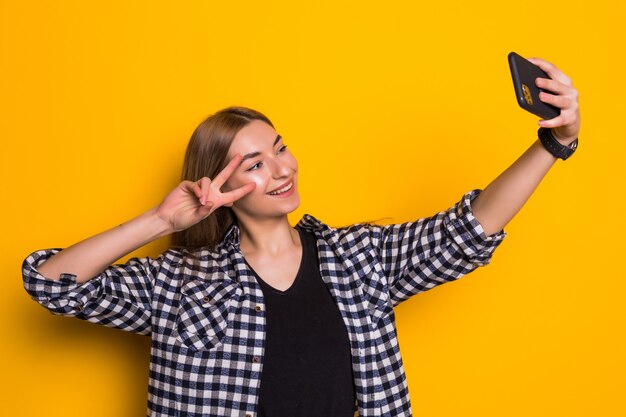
{"x":307,"y":370}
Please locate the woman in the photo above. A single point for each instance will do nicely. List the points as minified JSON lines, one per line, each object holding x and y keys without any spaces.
{"x":252,"y":317}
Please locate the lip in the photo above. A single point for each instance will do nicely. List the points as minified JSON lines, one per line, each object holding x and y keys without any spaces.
{"x":281,"y":186}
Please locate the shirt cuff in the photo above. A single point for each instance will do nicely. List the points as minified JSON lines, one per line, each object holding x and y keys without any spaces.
{"x":469,"y":234}
{"x":64,"y":295}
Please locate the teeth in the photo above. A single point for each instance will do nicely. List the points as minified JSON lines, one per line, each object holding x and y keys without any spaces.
{"x":282,"y":190}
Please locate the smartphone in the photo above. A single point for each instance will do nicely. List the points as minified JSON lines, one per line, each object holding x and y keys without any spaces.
{"x":524,"y":74}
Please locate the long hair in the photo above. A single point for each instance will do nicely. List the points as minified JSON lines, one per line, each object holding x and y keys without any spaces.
{"x":206,"y":156}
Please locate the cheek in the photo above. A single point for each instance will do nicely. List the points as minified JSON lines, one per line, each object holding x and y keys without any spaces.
{"x":261,"y":183}
{"x":235,"y":182}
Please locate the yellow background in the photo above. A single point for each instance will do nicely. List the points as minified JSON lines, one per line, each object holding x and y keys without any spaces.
{"x":394,"y":110}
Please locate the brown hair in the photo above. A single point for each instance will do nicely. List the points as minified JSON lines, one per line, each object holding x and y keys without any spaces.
{"x":206,"y":156}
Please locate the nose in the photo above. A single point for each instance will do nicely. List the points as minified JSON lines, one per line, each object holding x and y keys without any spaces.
{"x":279,"y":168}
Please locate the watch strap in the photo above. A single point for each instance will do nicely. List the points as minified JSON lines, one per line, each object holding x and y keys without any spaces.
{"x":553,"y":146}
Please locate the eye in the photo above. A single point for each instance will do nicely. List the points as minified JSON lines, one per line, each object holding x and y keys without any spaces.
{"x":255,"y":166}
{"x":260,"y":164}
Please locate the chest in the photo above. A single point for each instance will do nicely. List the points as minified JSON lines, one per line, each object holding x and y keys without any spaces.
{"x":279,"y":271}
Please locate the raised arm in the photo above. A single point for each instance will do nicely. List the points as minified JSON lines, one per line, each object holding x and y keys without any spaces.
{"x":500,"y":201}
{"x":185,"y":206}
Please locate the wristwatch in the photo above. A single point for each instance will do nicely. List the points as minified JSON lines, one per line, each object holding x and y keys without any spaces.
{"x":553,"y":146}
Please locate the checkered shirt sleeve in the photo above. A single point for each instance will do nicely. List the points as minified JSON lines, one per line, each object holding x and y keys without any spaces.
{"x":417,"y":256}
{"x":119,"y":297}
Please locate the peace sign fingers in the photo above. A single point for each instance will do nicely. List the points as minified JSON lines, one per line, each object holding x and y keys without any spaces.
{"x":228,"y":170}
{"x":234,"y":195}
{"x":227,"y":198}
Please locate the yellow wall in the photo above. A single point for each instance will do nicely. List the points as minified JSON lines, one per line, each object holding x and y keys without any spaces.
{"x":394,"y":109}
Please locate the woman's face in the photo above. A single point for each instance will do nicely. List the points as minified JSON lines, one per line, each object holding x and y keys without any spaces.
{"x":270,"y":165}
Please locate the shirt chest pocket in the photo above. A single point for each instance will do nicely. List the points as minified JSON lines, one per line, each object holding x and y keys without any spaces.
{"x":374,"y":288}
{"x":203,"y":314}
{"x":377,"y":298}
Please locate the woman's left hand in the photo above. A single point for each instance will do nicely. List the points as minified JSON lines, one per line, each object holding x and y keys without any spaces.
{"x":565,"y":127}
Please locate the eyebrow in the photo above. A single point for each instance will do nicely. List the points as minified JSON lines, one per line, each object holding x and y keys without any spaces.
{"x":255,"y":154}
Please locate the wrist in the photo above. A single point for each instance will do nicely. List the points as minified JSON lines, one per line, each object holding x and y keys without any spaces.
{"x":559,"y":149}
{"x":562,"y":141}
{"x":566,"y":142}
{"x":157,"y":226}
{"x":558,"y":135}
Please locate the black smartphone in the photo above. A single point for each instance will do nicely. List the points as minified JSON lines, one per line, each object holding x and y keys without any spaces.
{"x":524,"y":74}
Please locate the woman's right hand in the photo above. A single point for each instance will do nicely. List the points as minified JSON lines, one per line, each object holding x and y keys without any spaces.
{"x":190,"y":202}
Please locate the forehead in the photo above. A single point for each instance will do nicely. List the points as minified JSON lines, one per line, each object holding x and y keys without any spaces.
{"x":255,"y":136}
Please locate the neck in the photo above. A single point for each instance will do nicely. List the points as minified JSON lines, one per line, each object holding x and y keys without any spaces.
{"x":270,"y":235}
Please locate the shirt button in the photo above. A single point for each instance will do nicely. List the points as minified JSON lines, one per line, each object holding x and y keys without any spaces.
{"x":258,"y":307}
{"x":79,"y":307}
{"x":205,"y":300}
{"x":255,"y":359}
{"x":372,"y":396}
{"x":248,"y":415}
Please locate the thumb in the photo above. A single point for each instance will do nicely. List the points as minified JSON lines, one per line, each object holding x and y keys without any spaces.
{"x":205,"y":210}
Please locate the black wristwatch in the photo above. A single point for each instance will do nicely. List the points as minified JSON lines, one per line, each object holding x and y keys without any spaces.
{"x":553,"y":146}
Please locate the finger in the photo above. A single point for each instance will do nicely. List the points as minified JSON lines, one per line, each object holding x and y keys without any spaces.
{"x":204,"y":211}
{"x":189,"y":186}
{"x":551,"y":85}
{"x":562,"y":102}
{"x":228,"y":170}
{"x":205,"y":183}
{"x":551,"y":70}
{"x":238,"y":193}
{"x":554,"y":122}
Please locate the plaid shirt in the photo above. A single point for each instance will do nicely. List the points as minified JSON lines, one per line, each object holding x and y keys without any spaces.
{"x":206,"y":313}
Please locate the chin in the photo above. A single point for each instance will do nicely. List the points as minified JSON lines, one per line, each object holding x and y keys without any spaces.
{"x":292,"y":206}
{"x":295,"y":207}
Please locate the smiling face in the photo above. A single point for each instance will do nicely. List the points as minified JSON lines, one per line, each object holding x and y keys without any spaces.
{"x":269,"y":164}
